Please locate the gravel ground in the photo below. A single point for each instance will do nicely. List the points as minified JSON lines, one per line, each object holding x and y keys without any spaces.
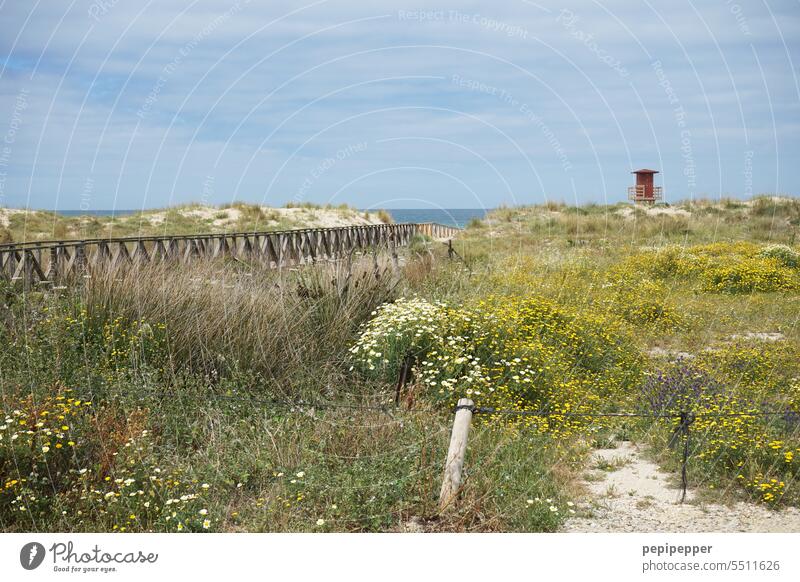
{"x":636,"y":496}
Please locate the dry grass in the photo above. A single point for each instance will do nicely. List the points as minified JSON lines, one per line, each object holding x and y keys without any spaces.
{"x":278,"y":325}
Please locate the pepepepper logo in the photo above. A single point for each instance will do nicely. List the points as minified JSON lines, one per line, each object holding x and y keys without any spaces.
{"x":31,"y":555}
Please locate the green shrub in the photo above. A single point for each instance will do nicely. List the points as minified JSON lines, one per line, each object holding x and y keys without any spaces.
{"x":719,"y":267}
{"x":505,"y":352}
{"x":782,"y":253}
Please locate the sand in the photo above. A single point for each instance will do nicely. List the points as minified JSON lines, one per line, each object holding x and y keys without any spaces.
{"x":639,"y":497}
{"x":628,"y":212}
{"x":304,"y":217}
{"x":6,"y":213}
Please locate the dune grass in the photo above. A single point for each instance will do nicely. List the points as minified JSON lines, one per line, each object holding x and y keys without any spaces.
{"x":194,"y":218}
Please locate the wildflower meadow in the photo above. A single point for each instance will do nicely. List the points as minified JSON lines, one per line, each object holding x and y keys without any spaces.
{"x":224,"y":396}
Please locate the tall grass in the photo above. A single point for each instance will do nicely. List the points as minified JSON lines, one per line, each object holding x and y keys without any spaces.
{"x":285,"y":327}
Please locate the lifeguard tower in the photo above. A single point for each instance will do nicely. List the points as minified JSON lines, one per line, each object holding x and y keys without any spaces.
{"x":644,"y":191}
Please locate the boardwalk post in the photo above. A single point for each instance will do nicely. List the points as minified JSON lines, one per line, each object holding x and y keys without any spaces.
{"x":455,"y":453}
{"x":393,"y":252}
{"x":80,"y":260}
{"x":52,"y":272}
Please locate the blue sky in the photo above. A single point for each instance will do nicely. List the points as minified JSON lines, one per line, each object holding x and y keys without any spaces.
{"x":113,"y":104}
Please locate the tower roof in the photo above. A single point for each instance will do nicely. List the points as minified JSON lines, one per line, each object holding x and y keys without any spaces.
{"x":645,"y":171}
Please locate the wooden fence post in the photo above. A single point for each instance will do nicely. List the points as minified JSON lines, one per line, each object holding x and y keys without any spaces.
{"x":456,"y":452}
{"x":405,"y":375}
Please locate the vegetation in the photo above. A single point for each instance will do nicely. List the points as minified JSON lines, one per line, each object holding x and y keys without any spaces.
{"x":33,"y":225}
{"x":505,"y":352}
{"x":222,"y":396}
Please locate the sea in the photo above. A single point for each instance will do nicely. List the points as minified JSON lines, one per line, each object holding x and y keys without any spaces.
{"x":458,"y":217}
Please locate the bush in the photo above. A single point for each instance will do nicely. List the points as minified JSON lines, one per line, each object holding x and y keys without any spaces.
{"x":785,"y":254}
{"x":681,"y":387}
{"x":504,"y":352}
{"x":37,"y":438}
{"x":749,"y":275}
{"x":717,"y":268}
{"x":734,"y":434}
{"x":64,"y":464}
{"x":644,"y":303}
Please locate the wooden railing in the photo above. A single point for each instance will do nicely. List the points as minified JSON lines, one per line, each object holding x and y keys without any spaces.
{"x":54,"y":261}
{"x":639,"y":194}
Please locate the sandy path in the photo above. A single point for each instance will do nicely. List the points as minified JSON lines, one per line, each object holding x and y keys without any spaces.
{"x":636,"y":496}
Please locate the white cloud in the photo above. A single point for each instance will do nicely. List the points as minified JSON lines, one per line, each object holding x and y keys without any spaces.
{"x":244,"y":89}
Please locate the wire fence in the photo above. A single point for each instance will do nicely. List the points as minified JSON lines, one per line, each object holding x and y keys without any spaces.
{"x":685,"y":420}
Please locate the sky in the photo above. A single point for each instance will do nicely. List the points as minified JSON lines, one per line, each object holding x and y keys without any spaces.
{"x":116,"y":104}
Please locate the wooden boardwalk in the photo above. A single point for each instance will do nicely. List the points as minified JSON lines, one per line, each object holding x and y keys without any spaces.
{"x":58,"y":260}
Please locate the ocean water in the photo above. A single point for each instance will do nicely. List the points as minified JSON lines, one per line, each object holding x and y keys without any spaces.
{"x":458,"y":217}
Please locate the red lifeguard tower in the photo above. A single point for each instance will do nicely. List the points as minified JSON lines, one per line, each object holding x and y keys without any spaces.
{"x":644,"y":191}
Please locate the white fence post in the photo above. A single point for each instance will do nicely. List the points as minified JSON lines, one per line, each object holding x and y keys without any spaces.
{"x":456,"y":452}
